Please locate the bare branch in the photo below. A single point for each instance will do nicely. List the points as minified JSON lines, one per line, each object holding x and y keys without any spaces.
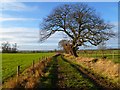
{"x":80,"y":22}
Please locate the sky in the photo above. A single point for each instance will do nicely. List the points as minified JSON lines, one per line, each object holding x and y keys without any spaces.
{"x":20,"y":23}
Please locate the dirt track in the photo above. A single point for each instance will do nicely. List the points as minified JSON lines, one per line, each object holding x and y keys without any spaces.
{"x":99,"y":82}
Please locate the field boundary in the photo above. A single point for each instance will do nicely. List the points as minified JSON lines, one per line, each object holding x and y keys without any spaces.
{"x":29,"y":77}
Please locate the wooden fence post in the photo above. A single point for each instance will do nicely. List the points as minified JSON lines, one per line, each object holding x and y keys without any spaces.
{"x":33,"y":63}
{"x":18,"y":70}
{"x":33,"y":66}
{"x":44,"y":58}
{"x":39,"y":60}
{"x":96,"y":54}
{"x":113,"y":55}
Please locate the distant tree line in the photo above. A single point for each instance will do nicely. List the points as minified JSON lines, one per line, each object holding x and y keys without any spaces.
{"x":9,"y":48}
{"x":35,"y":51}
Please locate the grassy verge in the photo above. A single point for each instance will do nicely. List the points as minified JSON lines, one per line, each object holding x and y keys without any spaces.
{"x":104,"y":79}
{"x":11,"y":61}
{"x":49,"y":80}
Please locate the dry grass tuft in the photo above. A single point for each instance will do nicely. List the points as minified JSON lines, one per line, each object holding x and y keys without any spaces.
{"x":107,"y":68}
{"x":102,"y":67}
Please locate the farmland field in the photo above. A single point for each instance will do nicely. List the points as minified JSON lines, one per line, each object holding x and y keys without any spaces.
{"x":11,"y":61}
{"x":112,"y":55}
{"x":59,"y":72}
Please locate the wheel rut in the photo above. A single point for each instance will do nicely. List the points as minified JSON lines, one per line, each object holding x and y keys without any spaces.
{"x":54,"y":79}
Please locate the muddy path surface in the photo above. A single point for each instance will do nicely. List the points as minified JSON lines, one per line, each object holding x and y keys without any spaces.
{"x":50,"y":77}
{"x":61,"y":73}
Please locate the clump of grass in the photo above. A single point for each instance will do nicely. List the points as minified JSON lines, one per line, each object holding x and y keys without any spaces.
{"x":107,"y":68}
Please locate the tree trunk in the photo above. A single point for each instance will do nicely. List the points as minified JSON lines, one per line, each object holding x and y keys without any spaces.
{"x":74,"y":52}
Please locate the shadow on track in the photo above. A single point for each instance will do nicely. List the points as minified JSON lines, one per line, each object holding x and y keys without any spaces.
{"x":50,"y":79}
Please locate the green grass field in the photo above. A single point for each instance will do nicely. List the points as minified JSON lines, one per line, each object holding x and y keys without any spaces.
{"x":11,"y":61}
{"x":112,"y":55}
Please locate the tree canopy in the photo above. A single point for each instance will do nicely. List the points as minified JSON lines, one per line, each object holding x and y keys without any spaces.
{"x":80,"y":22}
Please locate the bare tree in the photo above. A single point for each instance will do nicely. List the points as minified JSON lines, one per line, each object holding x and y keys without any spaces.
{"x":7,"y":48}
{"x":14,"y":48}
{"x":65,"y":45}
{"x":80,"y":22}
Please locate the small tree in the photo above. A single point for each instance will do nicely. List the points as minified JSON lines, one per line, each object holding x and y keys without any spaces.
{"x":6,"y":47}
{"x":79,"y":22}
{"x":14,"y":48}
{"x":65,"y":45}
